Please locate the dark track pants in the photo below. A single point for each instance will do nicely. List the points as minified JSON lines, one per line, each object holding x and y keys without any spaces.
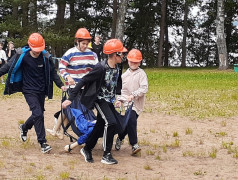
{"x":36,"y":103}
{"x":105,"y":125}
{"x":131,"y":129}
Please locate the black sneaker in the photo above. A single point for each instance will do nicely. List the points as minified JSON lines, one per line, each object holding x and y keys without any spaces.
{"x":23,"y":134}
{"x":45,"y":148}
{"x":135,"y":149}
{"x":87,"y":155}
{"x":108,"y":159}
{"x":118,"y":144}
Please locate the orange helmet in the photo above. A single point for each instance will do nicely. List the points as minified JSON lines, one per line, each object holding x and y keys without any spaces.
{"x":134,"y":55}
{"x":112,"y":46}
{"x":83,"y":33}
{"x":36,"y":42}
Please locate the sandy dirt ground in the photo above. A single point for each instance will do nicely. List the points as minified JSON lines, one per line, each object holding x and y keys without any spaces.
{"x":172,"y":148}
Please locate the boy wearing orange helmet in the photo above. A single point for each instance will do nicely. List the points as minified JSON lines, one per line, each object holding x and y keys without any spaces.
{"x":74,"y":64}
{"x":100,"y":87}
{"x":134,"y":87}
{"x":79,"y":60}
{"x":31,"y":71}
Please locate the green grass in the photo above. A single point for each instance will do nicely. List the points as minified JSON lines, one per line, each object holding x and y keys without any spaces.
{"x":196,"y":93}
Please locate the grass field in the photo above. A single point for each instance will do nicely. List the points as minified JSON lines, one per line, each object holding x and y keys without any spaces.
{"x":193,"y":92}
{"x":188,"y":131}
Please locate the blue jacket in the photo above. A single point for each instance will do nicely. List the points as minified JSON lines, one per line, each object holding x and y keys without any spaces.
{"x":14,"y":70}
{"x":85,"y":126}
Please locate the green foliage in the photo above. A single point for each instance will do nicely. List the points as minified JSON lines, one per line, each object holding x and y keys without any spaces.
{"x":143,"y":18}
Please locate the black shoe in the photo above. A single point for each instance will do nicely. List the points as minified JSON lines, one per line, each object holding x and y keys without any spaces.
{"x":135,"y":149}
{"x":45,"y":148}
{"x":87,"y":155}
{"x":23,"y":134}
{"x":108,"y":159}
{"x":118,"y":144}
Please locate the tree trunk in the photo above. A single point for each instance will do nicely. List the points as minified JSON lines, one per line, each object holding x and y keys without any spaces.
{"x":114,"y":19}
{"x":121,"y":19}
{"x":72,"y":11}
{"x":161,"y":38}
{"x":15,"y":16}
{"x":184,"y":44}
{"x":59,"y":23}
{"x":166,"y":48}
{"x":25,"y":10}
{"x":221,"y":39}
{"x":33,"y":15}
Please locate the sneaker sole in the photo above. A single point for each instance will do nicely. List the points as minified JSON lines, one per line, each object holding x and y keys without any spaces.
{"x":117,"y":148}
{"x":20,"y":134}
{"x":106,"y":162}
{"x":47,"y":151}
{"x":81,"y":151}
{"x":136,"y":151}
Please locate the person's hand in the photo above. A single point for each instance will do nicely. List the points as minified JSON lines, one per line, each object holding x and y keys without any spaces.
{"x":118,"y":104}
{"x":63,"y":88}
{"x":130,"y":98}
{"x":70,"y":80}
{"x":66,"y":103}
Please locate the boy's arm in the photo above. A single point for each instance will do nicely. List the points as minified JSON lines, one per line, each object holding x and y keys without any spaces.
{"x":143,"y":87}
{"x":56,"y":77}
{"x":94,"y":75}
{"x":5,"y":68}
{"x":63,"y":64}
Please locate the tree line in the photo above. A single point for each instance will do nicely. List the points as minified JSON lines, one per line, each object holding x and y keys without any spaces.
{"x":168,"y":32}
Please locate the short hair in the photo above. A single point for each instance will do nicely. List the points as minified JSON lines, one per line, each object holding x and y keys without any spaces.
{"x":10,"y":42}
{"x":78,"y":40}
{"x":97,"y":35}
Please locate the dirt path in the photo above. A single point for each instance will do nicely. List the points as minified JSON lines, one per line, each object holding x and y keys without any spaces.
{"x":172,"y":148}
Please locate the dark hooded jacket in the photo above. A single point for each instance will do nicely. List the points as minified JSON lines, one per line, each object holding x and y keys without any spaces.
{"x":92,"y":83}
{"x":14,"y":70}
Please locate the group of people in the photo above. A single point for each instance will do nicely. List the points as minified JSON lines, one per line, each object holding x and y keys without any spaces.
{"x":91,"y":82}
{"x":6,"y":55}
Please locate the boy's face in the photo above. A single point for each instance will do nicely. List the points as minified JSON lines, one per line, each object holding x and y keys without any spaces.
{"x":35,"y":53}
{"x":1,"y":46}
{"x":97,"y":39}
{"x":11,"y":46}
{"x":119,"y":57}
{"x":133,"y":65}
{"x":83,"y":45}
